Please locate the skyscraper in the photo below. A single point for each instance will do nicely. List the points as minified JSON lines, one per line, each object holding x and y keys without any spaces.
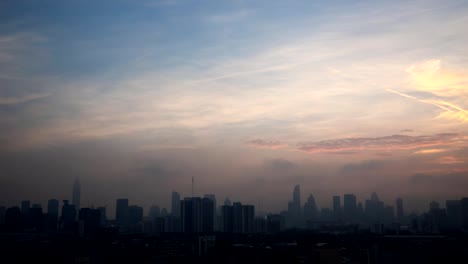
{"x":399,"y":210}
{"x":25,"y":206}
{"x":212,"y":197}
{"x":310,"y":208}
{"x":237,"y":217}
{"x":336,"y":205}
{"x":76,"y":194}
{"x":349,"y":206}
{"x":175,"y":205}
{"x":121,"y":211}
{"x":248,"y":216}
{"x":294,"y":207}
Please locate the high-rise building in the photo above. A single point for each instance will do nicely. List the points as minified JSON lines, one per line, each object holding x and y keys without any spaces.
{"x":25,"y":206}
{"x":156,"y":212}
{"x":227,"y":217}
{"x":399,"y":210}
{"x":53,"y":207}
{"x":248,"y":217}
{"x":76,"y":194}
{"x":102,"y":210}
{"x":453,"y":213}
{"x":52,"y":214}
{"x":2,"y":214}
{"x":237,"y":217}
{"x":13,"y":219}
{"x":349,"y":206}
{"x":175,"y":205}
{"x":337,"y":205}
{"x":207,"y":215}
{"x":90,"y":220}
{"x":375,"y":209}
{"x":68,"y":219}
{"x":294,"y":207}
{"x":121,"y":211}
{"x":135,"y":214}
{"x":464,"y":212}
{"x":191,"y":214}
{"x":227,"y":201}
{"x":310,"y":209}
{"x":212,"y":197}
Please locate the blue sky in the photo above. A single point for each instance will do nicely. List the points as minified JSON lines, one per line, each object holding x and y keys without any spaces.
{"x":166,"y":89}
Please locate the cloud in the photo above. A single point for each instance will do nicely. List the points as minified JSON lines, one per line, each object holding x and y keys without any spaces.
{"x":430,"y":151}
{"x":406,"y":131}
{"x":450,"y":160}
{"x":260,"y":143}
{"x":429,"y":76}
{"x":450,"y":110}
{"x":23,"y":99}
{"x":386,"y":143}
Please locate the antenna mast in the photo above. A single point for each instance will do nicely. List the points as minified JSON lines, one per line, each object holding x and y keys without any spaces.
{"x":192,"y":186}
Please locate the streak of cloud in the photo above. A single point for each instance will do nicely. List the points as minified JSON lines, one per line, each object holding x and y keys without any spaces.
{"x":387,"y":143}
{"x":260,"y":143}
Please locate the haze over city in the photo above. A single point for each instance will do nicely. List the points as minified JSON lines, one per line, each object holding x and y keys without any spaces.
{"x":134,"y":98}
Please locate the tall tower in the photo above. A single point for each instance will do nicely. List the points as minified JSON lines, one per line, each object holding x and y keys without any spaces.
{"x":175,"y":205}
{"x":297,"y":196}
{"x":76,"y":194}
{"x":399,"y":208}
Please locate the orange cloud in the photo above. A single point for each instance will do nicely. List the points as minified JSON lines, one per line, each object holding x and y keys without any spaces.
{"x":429,"y":151}
{"x":386,"y":143}
{"x":260,"y":143}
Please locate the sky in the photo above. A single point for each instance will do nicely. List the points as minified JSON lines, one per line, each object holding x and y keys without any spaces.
{"x":134,"y":98}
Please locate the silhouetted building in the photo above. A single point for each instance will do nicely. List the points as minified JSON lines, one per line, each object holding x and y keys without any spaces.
{"x":13,"y":219}
{"x":2,"y":215}
{"x":337,"y":206}
{"x":349,"y":206}
{"x":121,"y":212}
{"x":156,"y":212}
{"x":227,"y":217}
{"x":175,"y":205}
{"x":399,"y":210}
{"x":103,"y":217}
{"x":248,"y":216}
{"x":310,"y":209}
{"x":52,"y":214}
{"x":197,"y":215}
{"x":237,"y":217}
{"x":453,"y":208}
{"x":90,"y":221}
{"x":260,"y":225}
{"x":36,"y":219}
{"x":164,"y":212}
{"x":135,"y":214}
{"x":68,"y":220}
{"x":76,"y":194}
{"x":159,"y":225}
{"x":227,"y":201}
{"x":374,"y":210}
{"x":212,"y":197}
{"x":464,"y":212}
{"x":294,"y":208}
{"x":274,"y":223}
{"x":25,"y":206}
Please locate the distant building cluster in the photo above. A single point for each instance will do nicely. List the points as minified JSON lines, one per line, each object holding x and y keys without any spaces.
{"x":201,"y":215}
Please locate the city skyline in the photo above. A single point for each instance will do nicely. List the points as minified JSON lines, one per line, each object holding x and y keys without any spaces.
{"x":136,"y":98}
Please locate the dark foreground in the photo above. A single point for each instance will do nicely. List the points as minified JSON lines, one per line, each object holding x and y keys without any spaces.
{"x":285,"y":247}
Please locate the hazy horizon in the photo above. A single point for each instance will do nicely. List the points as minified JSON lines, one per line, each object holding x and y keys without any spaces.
{"x":135,"y":98}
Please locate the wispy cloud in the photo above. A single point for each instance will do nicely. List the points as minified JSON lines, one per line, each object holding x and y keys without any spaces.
{"x":260,"y":143}
{"x":22,"y":99}
{"x":430,"y":151}
{"x":387,"y":143}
